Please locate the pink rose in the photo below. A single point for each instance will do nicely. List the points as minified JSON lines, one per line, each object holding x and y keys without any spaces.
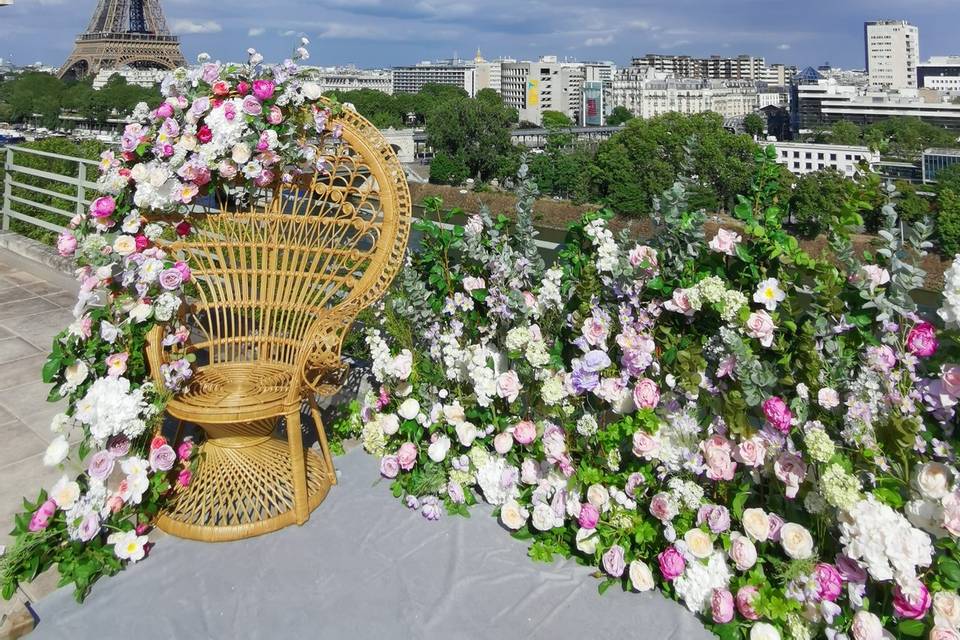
{"x":185,"y":450}
{"x":662,"y":508}
{"x":115,"y":503}
{"x":951,"y":513}
{"x":943,"y":633}
{"x":922,"y":340}
{"x":41,"y":517}
{"x":508,"y":385}
{"x":679,"y":303}
{"x":725,"y":242}
{"x":721,"y":606}
{"x":643,"y":256}
{"x":791,"y":471}
{"x":745,"y":598}
{"x":671,"y":563}
{"x":829,"y":582}
{"x":389,"y":466}
{"x":251,"y":106}
{"x":645,"y":394}
{"x":881,"y":358}
{"x":525,"y":432}
{"x":221,"y":88}
{"x":742,"y":551}
{"x":589,"y":515}
{"x":503,"y":442}
{"x":717,"y":457}
{"x":750,"y":452}
{"x":760,"y":326}
{"x":913,"y":608}
{"x":776,"y":523}
{"x":164,"y":111}
{"x":184,"y":270}
{"x":613,"y":561}
{"x":275,"y":116}
{"x":407,"y":456}
{"x":184,"y":478}
{"x":66,"y":244}
{"x":644,"y":445}
{"x":243,"y":87}
{"x":263,"y":89}
{"x":778,"y":414}
{"x":103,"y":207}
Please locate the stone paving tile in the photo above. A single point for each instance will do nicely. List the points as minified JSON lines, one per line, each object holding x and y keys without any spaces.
{"x":18,"y":277}
{"x":26,"y":307}
{"x":43,"y":288}
{"x":21,"y":372}
{"x":6,"y":416}
{"x":16,"y":294}
{"x":23,"y":478}
{"x":29,"y":404}
{"x":19,"y":442}
{"x":64,"y":299}
{"x":16,"y":349}
{"x":40,"y":328}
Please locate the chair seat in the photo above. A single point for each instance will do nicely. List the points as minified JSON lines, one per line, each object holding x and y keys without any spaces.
{"x":230,"y":392}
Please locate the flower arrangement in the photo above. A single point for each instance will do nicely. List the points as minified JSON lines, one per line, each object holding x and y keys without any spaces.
{"x":223,"y":130}
{"x":764,"y":436}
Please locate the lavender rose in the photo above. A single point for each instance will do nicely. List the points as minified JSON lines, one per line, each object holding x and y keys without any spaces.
{"x":171,"y":279}
{"x":716,"y":516}
{"x":389,"y":467}
{"x":101,"y":465}
{"x":162,"y":458}
{"x":613,"y":562}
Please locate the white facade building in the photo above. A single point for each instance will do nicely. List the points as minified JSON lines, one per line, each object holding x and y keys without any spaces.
{"x":352,"y":79}
{"x":141,"y":77}
{"x":892,"y":53}
{"x":647,"y":93}
{"x":941,"y":73}
{"x":546,"y":85}
{"x":489,"y":73}
{"x":457,"y":73}
{"x":801,"y":157}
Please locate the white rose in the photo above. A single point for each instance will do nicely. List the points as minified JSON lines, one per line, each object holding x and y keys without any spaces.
{"x":240,"y":153}
{"x":56,"y":452}
{"x":124,"y":245}
{"x":512,"y":515}
{"x":409,"y":409}
{"x":742,"y":551}
{"x":389,"y":423}
{"x":828,"y":398}
{"x":598,"y":496}
{"x":796,"y":541}
{"x":587,"y":540}
{"x":641,"y":578}
{"x":140,"y":312}
{"x":437,"y":451}
{"x":311,"y":90}
{"x":544,"y":518}
{"x":75,"y":374}
{"x":699,"y":543}
{"x":946,"y":609}
{"x":866,"y":626}
{"x":934,"y":480}
{"x":756,"y":523}
{"x":65,"y":493}
{"x":466,"y":433}
{"x":764,"y":631}
{"x":454,"y":414}
{"x":402,"y":365}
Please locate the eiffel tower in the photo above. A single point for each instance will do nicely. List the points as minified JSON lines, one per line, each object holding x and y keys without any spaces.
{"x":130,"y":33}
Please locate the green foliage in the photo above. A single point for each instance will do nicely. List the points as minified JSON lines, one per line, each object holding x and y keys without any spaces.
{"x":817,"y":198}
{"x":555,"y":119}
{"x":949,"y":178}
{"x":386,"y":110}
{"x":754,"y":125}
{"x":560,"y":169}
{"x":948,"y":221}
{"x":475,"y":131}
{"x":448,"y":169}
{"x":619,"y":115}
{"x":844,"y":132}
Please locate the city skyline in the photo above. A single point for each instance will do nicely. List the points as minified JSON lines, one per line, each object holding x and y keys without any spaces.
{"x":376,"y":33}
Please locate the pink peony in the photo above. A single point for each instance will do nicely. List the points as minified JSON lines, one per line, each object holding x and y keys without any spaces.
{"x":41,"y":517}
{"x":589,"y":515}
{"x":185,"y":450}
{"x":184,"y":270}
{"x":922,"y":340}
{"x":717,"y":456}
{"x":913,"y":608}
{"x":829,"y":582}
{"x":66,"y":244}
{"x":721,"y":606}
{"x":791,"y":471}
{"x":164,"y":111}
{"x":645,"y":394}
{"x":777,"y":413}
{"x":103,"y":207}
{"x":184,"y":478}
{"x":525,"y":432}
{"x":725,"y":242}
{"x":263,"y":89}
{"x":745,"y":598}
{"x":671,"y":563}
{"x":407,"y":456}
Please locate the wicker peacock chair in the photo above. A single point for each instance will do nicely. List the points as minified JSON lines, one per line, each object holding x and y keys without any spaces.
{"x":278,"y":288}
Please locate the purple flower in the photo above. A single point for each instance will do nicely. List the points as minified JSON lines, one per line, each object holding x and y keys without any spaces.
{"x":101,"y":465}
{"x":716,"y":516}
{"x":776,"y":523}
{"x":171,"y":278}
{"x":595,"y":361}
{"x":263,"y":89}
{"x":413,"y":502}
{"x":162,"y":458}
{"x":589,"y":515}
{"x":389,"y":466}
{"x":252,"y":106}
{"x":431,"y":508}
{"x":613,"y":562}
{"x":89,"y":527}
{"x":583,"y":381}
{"x":922,"y":340}
{"x":829,"y":581}
{"x":455,"y":492}
{"x":777,"y":413}
{"x":119,"y":446}
{"x":850,"y":569}
{"x":633,"y":481}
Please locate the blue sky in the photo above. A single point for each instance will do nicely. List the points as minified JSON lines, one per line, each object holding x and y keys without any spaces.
{"x":388,"y":32}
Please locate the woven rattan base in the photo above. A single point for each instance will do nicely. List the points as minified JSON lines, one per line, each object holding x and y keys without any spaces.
{"x":242,"y":488}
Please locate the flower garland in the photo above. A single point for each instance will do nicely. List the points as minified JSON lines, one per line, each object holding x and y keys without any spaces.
{"x":221,"y":128}
{"x":765,"y":437}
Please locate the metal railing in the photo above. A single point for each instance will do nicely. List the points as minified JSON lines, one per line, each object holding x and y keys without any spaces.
{"x":28,"y":189}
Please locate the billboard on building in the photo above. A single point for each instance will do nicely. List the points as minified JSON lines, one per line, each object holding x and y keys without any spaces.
{"x":592,"y":108}
{"x":533,"y":93}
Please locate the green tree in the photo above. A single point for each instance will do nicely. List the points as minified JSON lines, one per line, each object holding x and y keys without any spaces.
{"x":912,"y":207}
{"x":754,"y":125}
{"x":949,"y":178}
{"x":556,"y":120}
{"x":948,"y":221}
{"x":907,"y":137}
{"x":448,"y":169}
{"x":821,"y":197}
{"x":619,"y":115}
{"x":846,"y":132}
{"x":477,"y":132}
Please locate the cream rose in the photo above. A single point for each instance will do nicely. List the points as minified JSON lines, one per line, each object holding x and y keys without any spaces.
{"x":240,"y":153}
{"x":65,"y":493}
{"x":866,"y":626}
{"x":598,"y":496}
{"x":796,"y":541}
{"x":641,"y":578}
{"x":828,"y":398}
{"x":742,"y":551}
{"x":389,"y":423}
{"x":124,"y":245}
{"x":946,"y":609}
{"x":764,"y":631}
{"x":409,"y":409}
{"x":544,"y":518}
{"x":311,"y":90}
{"x":512,"y":515}
{"x":587,"y":540}
{"x":756,"y":523}
{"x":934,"y":480}
{"x":466,"y":433}
{"x":699,"y":543}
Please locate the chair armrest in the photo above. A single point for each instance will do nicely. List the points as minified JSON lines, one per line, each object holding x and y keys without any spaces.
{"x":321,"y":347}
{"x":156,"y":356}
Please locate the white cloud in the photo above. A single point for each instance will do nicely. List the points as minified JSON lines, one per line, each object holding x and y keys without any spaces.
{"x":598,"y":41}
{"x":189,"y":26}
{"x":783,"y":47}
{"x":255,"y":31}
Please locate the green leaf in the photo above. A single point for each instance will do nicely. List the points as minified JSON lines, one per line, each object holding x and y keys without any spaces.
{"x":606,"y":584}
{"x":912,"y":628}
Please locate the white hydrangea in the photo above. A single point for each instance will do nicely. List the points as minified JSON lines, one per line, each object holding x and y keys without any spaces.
{"x":517,"y":338}
{"x":165,"y":306}
{"x":537,"y":354}
{"x":226,"y":131}
{"x":607,"y":251}
{"x":494,"y":476}
{"x":553,"y":390}
{"x":379,"y":353}
{"x":587,"y":425}
{"x":690,"y":494}
{"x":884,"y":542}
{"x":700,"y":578}
{"x":549,"y":296}
{"x":950,"y":310}
{"x":111,"y":408}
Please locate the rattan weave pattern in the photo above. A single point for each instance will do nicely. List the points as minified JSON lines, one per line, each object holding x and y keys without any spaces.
{"x":278,"y":287}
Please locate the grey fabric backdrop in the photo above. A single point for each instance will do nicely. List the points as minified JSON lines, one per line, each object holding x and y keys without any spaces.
{"x":364,"y":566}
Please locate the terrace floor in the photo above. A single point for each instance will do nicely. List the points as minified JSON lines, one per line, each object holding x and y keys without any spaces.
{"x":363,"y":566}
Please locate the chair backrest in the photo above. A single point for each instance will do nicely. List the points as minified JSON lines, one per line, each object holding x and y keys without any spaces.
{"x":330,"y":241}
